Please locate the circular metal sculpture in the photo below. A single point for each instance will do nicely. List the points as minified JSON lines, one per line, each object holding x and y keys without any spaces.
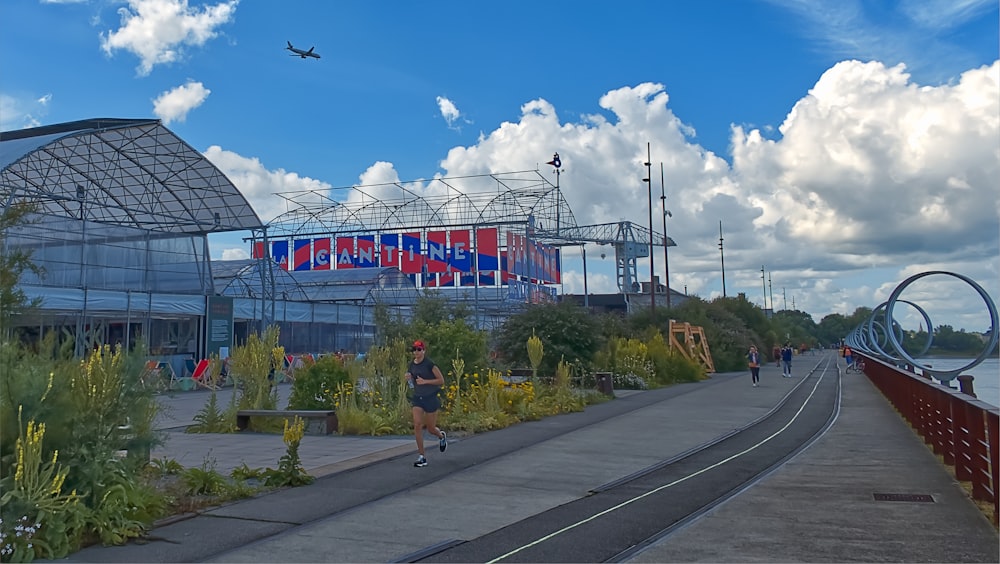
{"x":881,"y":332}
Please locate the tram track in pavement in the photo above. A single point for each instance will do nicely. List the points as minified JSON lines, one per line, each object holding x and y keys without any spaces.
{"x":260,"y":525}
{"x":384,"y":480}
{"x":621,"y":518}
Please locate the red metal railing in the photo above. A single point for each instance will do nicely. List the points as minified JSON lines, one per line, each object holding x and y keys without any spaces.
{"x":963,"y":430}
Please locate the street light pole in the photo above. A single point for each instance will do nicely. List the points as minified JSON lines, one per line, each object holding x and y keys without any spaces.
{"x":762,"y":283}
{"x":722,"y":257}
{"x":770,"y":289}
{"x":666,"y":240}
{"x":649,"y":183}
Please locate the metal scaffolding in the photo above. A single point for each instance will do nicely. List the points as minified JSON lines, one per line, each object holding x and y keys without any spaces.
{"x":508,"y":199}
{"x":121,"y":213}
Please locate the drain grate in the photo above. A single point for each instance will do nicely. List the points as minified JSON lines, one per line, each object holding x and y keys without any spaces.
{"x":903,"y":497}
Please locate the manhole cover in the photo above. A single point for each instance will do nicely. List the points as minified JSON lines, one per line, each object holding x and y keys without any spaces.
{"x":903,"y":497}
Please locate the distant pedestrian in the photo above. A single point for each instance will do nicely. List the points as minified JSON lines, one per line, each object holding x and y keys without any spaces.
{"x":786,"y":360}
{"x":776,"y":355}
{"x":426,"y":380}
{"x":848,"y":355}
{"x":753,"y":360}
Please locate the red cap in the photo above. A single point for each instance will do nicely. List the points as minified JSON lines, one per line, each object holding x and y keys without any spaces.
{"x":419,"y":344}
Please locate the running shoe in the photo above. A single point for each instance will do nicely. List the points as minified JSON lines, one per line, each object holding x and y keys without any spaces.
{"x":443,"y":443}
{"x":421,"y":462}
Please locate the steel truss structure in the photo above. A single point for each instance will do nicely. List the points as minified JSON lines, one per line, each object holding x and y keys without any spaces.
{"x":507,"y":200}
{"x":522,"y":202}
{"x":121,"y":213}
{"x":511,"y":202}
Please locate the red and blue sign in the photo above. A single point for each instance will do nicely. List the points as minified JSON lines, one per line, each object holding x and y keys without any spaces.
{"x":460,"y":257}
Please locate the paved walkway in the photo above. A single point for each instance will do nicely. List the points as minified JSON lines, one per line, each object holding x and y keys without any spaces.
{"x":321,"y":454}
{"x":818,"y":507}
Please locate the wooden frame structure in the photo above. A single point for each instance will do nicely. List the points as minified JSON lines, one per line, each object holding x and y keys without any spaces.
{"x":692,"y":344}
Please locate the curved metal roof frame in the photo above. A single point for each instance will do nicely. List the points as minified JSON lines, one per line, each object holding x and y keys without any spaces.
{"x":510,"y":199}
{"x":358,"y":285}
{"x":242,"y":278}
{"x":129,"y":172}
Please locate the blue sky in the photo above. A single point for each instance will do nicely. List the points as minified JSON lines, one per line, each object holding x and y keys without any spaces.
{"x":845,"y":145}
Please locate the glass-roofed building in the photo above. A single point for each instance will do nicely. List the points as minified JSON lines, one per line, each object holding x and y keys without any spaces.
{"x":121,"y":213}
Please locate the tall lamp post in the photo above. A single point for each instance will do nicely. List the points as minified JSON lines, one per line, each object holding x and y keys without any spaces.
{"x":649,"y":183}
{"x":666,"y":240}
{"x":722,"y":258}
{"x":765,"y":288}
{"x":770,"y":290}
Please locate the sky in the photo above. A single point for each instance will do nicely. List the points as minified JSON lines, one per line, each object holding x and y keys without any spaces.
{"x":844,"y":145}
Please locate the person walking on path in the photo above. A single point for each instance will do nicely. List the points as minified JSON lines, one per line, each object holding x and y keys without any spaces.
{"x":426,"y":380}
{"x":753,"y":360}
{"x":848,"y":355}
{"x":776,"y":355}
{"x":786,"y":360}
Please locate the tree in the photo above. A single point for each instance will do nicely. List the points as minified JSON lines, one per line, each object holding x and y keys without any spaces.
{"x":795,"y":327}
{"x":833,"y":328}
{"x":446,"y":328}
{"x":14,"y":262}
{"x":727,"y":333}
{"x":567,"y":332}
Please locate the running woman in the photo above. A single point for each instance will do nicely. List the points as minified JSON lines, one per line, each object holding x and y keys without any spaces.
{"x":426,"y":380}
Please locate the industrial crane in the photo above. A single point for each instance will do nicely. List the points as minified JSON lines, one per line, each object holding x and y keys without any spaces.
{"x":631,"y":242}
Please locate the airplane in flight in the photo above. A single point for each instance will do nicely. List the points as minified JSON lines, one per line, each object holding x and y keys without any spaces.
{"x":300,"y":52}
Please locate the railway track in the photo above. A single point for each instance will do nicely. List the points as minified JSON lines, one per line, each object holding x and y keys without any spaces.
{"x":608,"y":522}
{"x":619,"y":519}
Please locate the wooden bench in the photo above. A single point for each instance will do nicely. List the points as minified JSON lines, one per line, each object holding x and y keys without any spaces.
{"x":243,"y":416}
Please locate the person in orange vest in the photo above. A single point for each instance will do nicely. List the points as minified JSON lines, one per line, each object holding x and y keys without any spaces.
{"x":848,"y":355}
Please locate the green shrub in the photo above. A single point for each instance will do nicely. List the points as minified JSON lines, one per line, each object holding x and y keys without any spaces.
{"x":212,"y":419}
{"x":315,"y":386}
{"x":290,"y":471}
{"x":567,"y":331}
{"x":204,"y":480}
{"x":243,"y":473}
{"x":252,"y":367}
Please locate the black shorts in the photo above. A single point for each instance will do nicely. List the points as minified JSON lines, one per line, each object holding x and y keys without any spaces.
{"x":429,"y":404}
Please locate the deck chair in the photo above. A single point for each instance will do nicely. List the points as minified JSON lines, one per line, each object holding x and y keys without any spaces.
{"x":201,"y":377}
{"x":189,"y":366}
{"x":151,"y":376}
{"x":291,"y":364}
{"x":176,"y":382}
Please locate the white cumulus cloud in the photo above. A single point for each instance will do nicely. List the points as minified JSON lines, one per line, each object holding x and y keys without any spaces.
{"x":449,"y":111}
{"x":871,"y":176}
{"x":174,"y":105}
{"x":259,"y":185}
{"x":158,"y":31}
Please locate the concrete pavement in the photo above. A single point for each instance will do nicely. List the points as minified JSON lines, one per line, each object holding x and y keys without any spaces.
{"x":321,"y":454}
{"x":816,"y":508}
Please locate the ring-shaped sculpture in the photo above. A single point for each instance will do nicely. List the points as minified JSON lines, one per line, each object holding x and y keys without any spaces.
{"x":943,"y":375}
{"x":897,"y":328}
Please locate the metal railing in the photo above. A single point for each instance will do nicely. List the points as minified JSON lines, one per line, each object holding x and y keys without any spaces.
{"x":961,"y":429}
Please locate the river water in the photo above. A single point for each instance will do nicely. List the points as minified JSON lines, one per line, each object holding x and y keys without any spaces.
{"x":986,"y":384}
